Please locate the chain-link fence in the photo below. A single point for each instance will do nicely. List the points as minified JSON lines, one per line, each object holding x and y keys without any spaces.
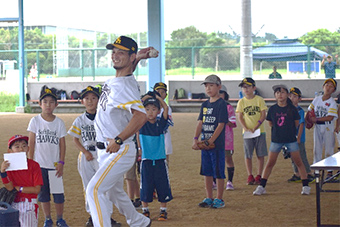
{"x":291,"y":61}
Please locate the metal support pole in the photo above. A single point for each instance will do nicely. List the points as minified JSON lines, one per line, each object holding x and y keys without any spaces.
{"x":21,"y":55}
{"x":193,"y":62}
{"x":246,"y":48}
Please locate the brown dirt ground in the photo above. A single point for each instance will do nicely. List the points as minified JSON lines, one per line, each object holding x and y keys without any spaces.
{"x":282,"y":206}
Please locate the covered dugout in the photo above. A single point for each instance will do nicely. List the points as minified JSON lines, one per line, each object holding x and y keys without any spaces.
{"x":291,"y":50}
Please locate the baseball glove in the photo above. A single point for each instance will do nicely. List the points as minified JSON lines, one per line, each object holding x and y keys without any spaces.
{"x":7,"y":196}
{"x":204,"y":145}
{"x":308,"y":119}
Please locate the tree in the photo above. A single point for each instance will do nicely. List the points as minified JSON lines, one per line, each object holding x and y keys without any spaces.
{"x":324,"y":37}
{"x":186,"y":38}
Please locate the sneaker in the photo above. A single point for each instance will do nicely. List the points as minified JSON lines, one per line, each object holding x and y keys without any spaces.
{"x":146,"y":213}
{"x":294,"y":179}
{"x":260,"y":190}
{"x":89,"y":222}
{"x":250,"y":180}
{"x":311,"y":178}
{"x":163,"y":216}
{"x":305,"y":190}
{"x":214,"y":187}
{"x":48,"y":223}
{"x":207,"y":202}
{"x":137,"y":204}
{"x":61,"y":222}
{"x":257,"y":180}
{"x":230,"y":186}
{"x":218,"y":203}
{"x":114,"y":223}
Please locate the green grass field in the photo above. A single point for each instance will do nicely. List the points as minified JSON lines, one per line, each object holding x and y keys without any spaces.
{"x":8,"y":102}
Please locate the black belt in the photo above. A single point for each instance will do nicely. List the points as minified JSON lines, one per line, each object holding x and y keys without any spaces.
{"x":322,"y":122}
{"x":100,"y":145}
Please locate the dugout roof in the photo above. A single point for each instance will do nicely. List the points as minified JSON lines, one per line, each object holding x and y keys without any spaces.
{"x":287,"y":50}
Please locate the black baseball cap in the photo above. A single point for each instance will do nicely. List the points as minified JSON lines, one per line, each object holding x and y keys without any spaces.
{"x":248,"y":81}
{"x":160,"y":85}
{"x":124,"y":43}
{"x":94,"y":90}
{"x":45,"y":91}
{"x":152,"y":101}
{"x":295,"y":91}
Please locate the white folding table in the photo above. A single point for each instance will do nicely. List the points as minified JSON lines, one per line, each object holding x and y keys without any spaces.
{"x":330,"y":163}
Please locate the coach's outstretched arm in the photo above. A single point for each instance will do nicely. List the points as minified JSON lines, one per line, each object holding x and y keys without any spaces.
{"x":137,"y":121}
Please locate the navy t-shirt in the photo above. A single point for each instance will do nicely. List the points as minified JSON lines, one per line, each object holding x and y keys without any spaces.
{"x":283,"y":119}
{"x":211,"y":114}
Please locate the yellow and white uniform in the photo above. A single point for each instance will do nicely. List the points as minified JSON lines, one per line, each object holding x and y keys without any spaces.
{"x":324,"y":131}
{"x":119,"y":97}
{"x":83,"y":129}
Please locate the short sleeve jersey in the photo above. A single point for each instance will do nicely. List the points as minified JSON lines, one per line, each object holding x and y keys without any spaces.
{"x":151,"y":137}
{"x":302,"y":121}
{"x":83,"y":129}
{"x":330,"y":69}
{"x":47,"y":140}
{"x":211,"y":114}
{"x":29,"y":177}
{"x":283,"y":120}
{"x":251,"y":109}
{"x":120,"y":95}
{"x":324,"y":108}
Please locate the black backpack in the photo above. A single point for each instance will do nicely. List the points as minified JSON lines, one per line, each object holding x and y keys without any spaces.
{"x":75,"y":94}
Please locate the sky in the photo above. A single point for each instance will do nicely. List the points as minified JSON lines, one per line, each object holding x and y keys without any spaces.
{"x":285,"y":18}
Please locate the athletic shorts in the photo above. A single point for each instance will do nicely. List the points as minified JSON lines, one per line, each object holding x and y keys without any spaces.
{"x":213,"y":163}
{"x":154,"y":175}
{"x":257,"y":143}
{"x":277,"y":147}
{"x":45,"y":195}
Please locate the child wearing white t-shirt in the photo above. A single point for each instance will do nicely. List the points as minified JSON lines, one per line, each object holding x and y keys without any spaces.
{"x":47,"y":146}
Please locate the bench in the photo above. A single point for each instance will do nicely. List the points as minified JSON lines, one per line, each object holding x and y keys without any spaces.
{"x":193,"y":105}
{"x":64,"y":106}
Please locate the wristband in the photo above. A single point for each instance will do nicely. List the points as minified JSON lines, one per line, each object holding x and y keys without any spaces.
{"x":61,"y":162}
{"x":4,"y":175}
{"x":4,"y":178}
{"x":259,"y":121}
{"x":20,"y":189}
{"x":195,"y":138}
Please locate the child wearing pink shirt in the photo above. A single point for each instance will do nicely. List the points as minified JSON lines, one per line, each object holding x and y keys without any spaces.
{"x":229,"y":138}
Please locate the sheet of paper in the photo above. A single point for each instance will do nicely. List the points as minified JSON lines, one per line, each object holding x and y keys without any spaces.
{"x":18,"y":161}
{"x":56,"y":183}
{"x":249,"y":135}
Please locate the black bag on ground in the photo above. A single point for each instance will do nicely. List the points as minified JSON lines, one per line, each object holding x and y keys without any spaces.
{"x":198,"y":96}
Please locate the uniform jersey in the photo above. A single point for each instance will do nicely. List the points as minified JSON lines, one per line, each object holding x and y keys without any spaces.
{"x":251,"y":109}
{"x":29,"y":177}
{"x":211,"y":114}
{"x":47,"y":136}
{"x":83,"y":129}
{"x":167,"y":135}
{"x":120,"y":95}
{"x":324,"y":108}
{"x":152,"y":139}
